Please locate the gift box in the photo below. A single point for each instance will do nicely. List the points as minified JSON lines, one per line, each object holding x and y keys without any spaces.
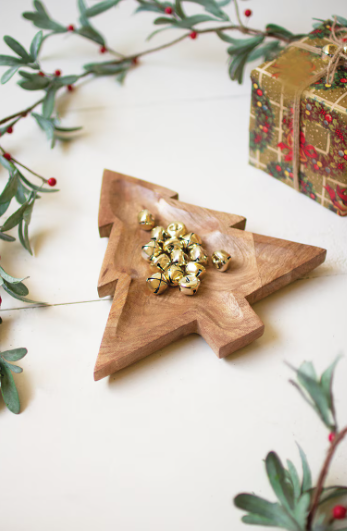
{"x":299,"y":115}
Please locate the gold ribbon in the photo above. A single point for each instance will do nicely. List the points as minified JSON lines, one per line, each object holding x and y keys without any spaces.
{"x":328,"y":71}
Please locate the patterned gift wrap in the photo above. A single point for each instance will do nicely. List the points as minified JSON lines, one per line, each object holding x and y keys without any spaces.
{"x":323,"y":123}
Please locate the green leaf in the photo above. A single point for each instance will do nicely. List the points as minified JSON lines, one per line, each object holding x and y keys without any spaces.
{"x":179,"y":9}
{"x":6,"y":237}
{"x":237,"y":66}
{"x":3,"y":208}
{"x":271,"y":511}
{"x":21,"y":193}
{"x":91,"y":34}
{"x":43,"y":21}
{"x":294,"y":479}
{"x":48,"y":102}
{"x":187,"y":23}
{"x":306,"y":478}
{"x":65,"y":130}
{"x":276,"y":475}
{"x":340,"y":20}
{"x":10,"y":189}
{"x":6,"y":76}
{"x":13,"y":368}
{"x":13,"y":220}
{"x":101,"y":7}
{"x":46,"y":124}
{"x":268,"y":51}
{"x":14,"y":354}
{"x":107,"y":68}
{"x":245,"y":45}
{"x":18,"y":288}
{"x":9,"y":278}
{"x":326,"y":381}
{"x":38,"y":83}
{"x":18,"y":48}
{"x":279,"y":30}
{"x":212,"y":7}
{"x":20,"y":297}
{"x":6,"y":164}
{"x":8,"y":60}
{"x":8,"y":389}
{"x":35,"y":45}
{"x":301,"y":509}
{"x":256,"y":519}
{"x":66,"y":80}
{"x":40,"y":7}
{"x":314,"y":390}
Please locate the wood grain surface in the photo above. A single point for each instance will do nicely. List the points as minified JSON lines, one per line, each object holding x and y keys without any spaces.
{"x":140,"y":323}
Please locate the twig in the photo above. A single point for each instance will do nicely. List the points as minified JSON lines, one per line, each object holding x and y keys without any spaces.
{"x":238,"y":15}
{"x":21,"y":113}
{"x":322,"y":476}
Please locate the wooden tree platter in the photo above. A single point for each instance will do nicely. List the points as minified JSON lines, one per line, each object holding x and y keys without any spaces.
{"x":139,"y":322}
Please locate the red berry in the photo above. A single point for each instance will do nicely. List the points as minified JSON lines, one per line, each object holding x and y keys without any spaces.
{"x":345,"y":157}
{"x":52,"y":181}
{"x":57,"y":73}
{"x":7,"y":156}
{"x":332,"y":436}
{"x":278,"y":168}
{"x":193,"y":35}
{"x":0,"y":300}
{"x":70,"y":88}
{"x":135,"y":60}
{"x":339,"y":512}
{"x":9,"y":130}
{"x":345,"y":39}
{"x":316,"y":167}
{"x":265,"y":129}
{"x":103,"y":49}
{"x":328,"y":118}
{"x":248,"y":13}
{"x":259,"y":92}
{"x":24,"y":114}
{"x":41,"y":74}
{"x":343,"y":80}
{"x":312,"y":196}
{"x":71,"y":27}
{"x":291,"y":175}
{"x":168,"y":10}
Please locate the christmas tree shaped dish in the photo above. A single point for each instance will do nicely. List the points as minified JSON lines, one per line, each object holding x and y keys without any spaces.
{"x":139,"y":322}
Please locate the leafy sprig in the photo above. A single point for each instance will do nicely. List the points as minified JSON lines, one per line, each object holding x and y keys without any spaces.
{"x":7,"y":384}
{"x":300,"y":506}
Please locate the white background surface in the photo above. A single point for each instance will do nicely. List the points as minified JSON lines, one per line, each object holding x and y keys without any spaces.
{"x":166,"y":444}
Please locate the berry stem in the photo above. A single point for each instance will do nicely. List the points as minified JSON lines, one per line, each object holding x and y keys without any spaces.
{"x":322,"y":476}
{"x":20,"y":113}
{"x":25,"y":167}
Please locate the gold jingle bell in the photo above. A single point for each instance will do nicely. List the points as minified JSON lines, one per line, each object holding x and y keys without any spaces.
{"x":179,"y":257}
{"x":198,"y":254}
{"x":189,"y":285}
{"x":158,"y":234}
{"x":146,"y":220}
{"x":191,"y":239}
{"x":221,"y":260}
{"x":157,"y":283}
{"x":194,"y":268}
{"x":174,"y":273}
{"x":161,"y":262}
{"x":328,"y":51}
{"x":176,"y":229}
{"x":150,"y":250}
{"x":172,"y":244}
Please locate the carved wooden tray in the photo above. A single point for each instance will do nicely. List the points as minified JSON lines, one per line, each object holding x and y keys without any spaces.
{"x":139,"y":322}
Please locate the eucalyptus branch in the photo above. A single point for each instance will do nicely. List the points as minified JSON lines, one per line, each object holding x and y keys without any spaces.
{"x":338,"y":438}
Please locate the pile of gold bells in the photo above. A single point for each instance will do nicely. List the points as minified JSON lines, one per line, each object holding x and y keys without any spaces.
{"x":178,"y":255}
